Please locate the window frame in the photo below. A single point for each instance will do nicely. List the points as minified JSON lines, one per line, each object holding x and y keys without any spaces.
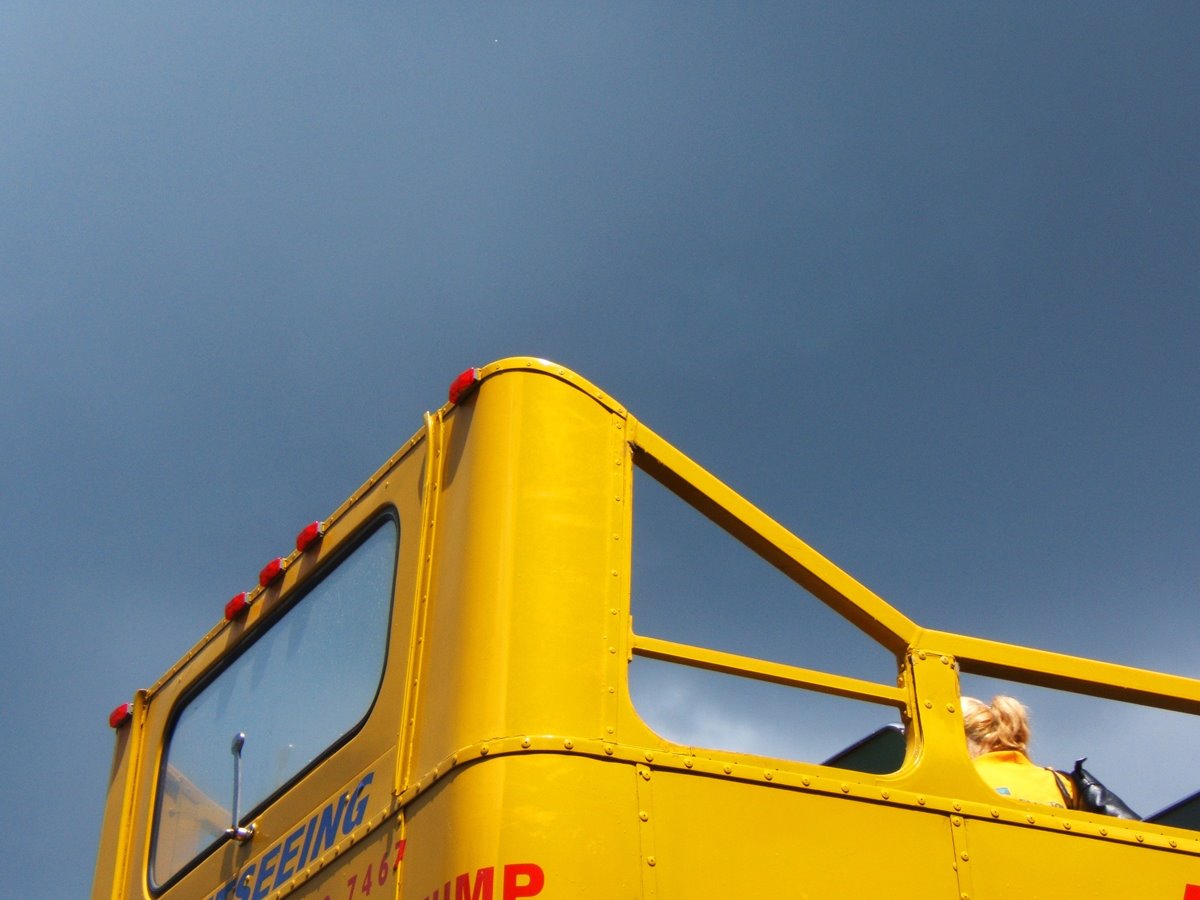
{"x":245,"y":643}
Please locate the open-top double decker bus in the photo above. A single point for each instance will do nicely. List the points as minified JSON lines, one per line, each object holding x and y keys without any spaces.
{"x":429,"y":698}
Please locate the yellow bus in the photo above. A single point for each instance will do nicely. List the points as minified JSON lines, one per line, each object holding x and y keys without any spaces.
{"x":430,"y":698}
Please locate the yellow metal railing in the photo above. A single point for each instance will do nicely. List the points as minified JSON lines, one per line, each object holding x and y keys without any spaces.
{"x":762,"y":670}
{"x":771,"y":541}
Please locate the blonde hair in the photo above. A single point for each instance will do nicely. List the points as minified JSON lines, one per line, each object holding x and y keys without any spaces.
{"x":1004,"y":725}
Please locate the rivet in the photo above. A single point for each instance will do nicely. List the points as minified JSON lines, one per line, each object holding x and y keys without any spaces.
{"x":1104,"y":832}
{"x":651,"y":861}
{"x":454,"y":760}
{"x":885,"y":794}
{"x":643,"y":816}
{"x":688,"y":763}
{"x":921,"y":801}
{"x":920,"y":654}
{"x":806,"y":781}
{"x":995,"y":813}
{"x":1030,"y":819}
{"x":949,"y":707}
{"x":614,"y":573}
{"x":769,"y":775}
{"x":569,"y":744}
{"x":1141,"y":838}
{"x":1067,"y":826}
{"x":945,"y":660}
{"x":613,"y":612}
{"x":929,"y":704}
{"x":608,"y":749}
{"x":956,"y":821}
{"x":483,"y":751}
{"x":649,"y":756}
{"x":964,"y":856}
{"x":612,"y":649}
{"x":845,"y":788}
{"x":525,"y":742}
{"x":958,"y":806}
{"x":1174,"y":843}
{"x":728,"y":768}
{"x":610,"y":730}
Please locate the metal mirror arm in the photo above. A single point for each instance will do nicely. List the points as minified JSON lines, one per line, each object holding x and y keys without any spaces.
{"x":236,"y":831}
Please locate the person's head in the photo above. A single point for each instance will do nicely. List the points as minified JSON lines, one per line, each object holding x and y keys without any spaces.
{"x":1004,"y":725}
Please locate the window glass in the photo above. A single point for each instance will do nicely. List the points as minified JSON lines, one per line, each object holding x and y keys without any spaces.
{"x":300,"y":687}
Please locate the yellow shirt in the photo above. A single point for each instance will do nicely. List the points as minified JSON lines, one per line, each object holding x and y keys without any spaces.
{"x":1012,"y":774}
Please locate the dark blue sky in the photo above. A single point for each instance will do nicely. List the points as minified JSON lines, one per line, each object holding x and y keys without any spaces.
{"x":922,"y":280}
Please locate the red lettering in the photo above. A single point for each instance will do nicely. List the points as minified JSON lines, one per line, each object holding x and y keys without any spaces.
{"x":1191,"y":892}
{"x":482,"y":889}
{"x":534,"y":880}
{"x":399,"y":854}
{"x":367,"y":884}
{"x":350,"y":884}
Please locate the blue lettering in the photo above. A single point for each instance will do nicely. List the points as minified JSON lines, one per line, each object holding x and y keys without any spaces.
{"x":312,"y":826}
{"x":327,"y":830}
{"x":244,"y":882}
{"x":266,"y":869}
{"x":289,"y":856}
{"x":357,"y":808}
{"x":289,"y":851}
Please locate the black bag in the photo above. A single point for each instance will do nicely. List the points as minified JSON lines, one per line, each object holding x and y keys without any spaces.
{"x":1092,"y":796}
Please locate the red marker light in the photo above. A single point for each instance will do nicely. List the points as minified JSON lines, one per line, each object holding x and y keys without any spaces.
{"x":463,"y":385}
{"x":270,"y":572}
{"x":236,"y":606}
{"x":120,"y":715}
{"x":312,"y":533}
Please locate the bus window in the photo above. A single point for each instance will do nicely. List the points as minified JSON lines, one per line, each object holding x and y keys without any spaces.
{"x":697,"y":708}
{"x":301,"y":686}
{"x":695,"y":584}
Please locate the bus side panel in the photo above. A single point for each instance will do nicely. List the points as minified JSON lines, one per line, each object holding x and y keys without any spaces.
{"x":373,"y":869}
{"x":716,"y":837}
{"x":1011,"y":861}
{"x":114,"y":835}
{"x":538,"y":825}
{"x":520,"y":621}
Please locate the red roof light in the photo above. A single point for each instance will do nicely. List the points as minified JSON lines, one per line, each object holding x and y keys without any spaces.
{"x":270,"y":572}
{"x":236,"y":606}
{"x":120,"y":715}
{"x":312,"y":533}
{"x":463,"y":385}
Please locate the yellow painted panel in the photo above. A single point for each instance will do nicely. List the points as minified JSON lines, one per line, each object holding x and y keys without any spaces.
{"x":372,"y":869}
{"x":526,"y":565}
{"x":715,"y":837}
{"x":572,"y":819}
{"x":1009,"y":861}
